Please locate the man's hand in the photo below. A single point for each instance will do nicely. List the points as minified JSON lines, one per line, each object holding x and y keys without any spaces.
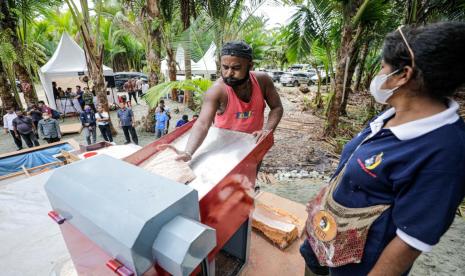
{"x":5,"y":130}
{"x":260,"y":135}
{"x":182,"y":155}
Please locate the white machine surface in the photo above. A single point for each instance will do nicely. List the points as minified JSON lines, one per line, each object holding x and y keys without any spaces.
{"x":32,"y":243}
{"x":221,"y":151}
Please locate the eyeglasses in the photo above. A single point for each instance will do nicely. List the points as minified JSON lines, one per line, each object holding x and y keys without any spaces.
{"x":408,"y":46}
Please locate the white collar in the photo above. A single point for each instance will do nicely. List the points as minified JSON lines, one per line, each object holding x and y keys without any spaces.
{"x":419,"y":127}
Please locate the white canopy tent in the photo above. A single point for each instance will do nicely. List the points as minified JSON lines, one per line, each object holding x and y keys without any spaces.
{"x":66,"y":65}
{"x":206,"y":66}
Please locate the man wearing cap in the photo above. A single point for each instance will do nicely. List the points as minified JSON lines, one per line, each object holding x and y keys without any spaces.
{"x":237,"y":100}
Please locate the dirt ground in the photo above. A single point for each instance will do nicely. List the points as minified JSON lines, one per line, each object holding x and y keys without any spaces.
{"x":299,"y":148}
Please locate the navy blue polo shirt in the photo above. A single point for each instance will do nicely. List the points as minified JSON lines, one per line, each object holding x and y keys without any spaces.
{"x":125,"y":116}
{"x":417,"y":168}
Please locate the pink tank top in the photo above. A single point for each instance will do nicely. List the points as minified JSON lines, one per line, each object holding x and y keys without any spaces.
{"x":242,"y":116}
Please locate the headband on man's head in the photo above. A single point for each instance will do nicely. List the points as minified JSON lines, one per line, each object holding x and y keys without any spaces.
{"x":237,"y":49}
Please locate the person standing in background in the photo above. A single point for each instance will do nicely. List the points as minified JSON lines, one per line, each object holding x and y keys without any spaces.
{"x":8,"y":127}
{"x":23,"y":126}
{"x":79,"y":97}
{"x":139,"y":84}
{"x":88,"y":122}
{"x":161,"y":120}
{"x":56,"y":95}
{"x":103,"y":123}
{"x":36,"y":116}
{"x":161,"y":104}
{"x":145,"y":87}
{"x":126,"y":122}
{"x":88,"y":98}
{"x":49,"y":129}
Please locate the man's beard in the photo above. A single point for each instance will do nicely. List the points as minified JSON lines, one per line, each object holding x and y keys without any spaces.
{"x":233,"y":82}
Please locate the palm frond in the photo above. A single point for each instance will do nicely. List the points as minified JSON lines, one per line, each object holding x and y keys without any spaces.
{"x":155,"y":93}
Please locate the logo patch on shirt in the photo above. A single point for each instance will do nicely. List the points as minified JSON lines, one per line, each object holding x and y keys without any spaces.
{"x":374,"y":161}
{"x":243,"y":115}
{"x":371,"y":163}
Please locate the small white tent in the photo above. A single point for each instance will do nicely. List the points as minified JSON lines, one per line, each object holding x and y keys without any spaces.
{"x":68,"y":62}
{"x":206,"y":66}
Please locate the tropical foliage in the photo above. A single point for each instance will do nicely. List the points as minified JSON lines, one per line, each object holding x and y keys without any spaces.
{"x":340,"y":39}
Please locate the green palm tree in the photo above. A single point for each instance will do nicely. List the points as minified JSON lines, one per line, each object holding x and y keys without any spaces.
{"x":197,"y":86}
{"x":92,"y":43}
{"x":19,"y":14}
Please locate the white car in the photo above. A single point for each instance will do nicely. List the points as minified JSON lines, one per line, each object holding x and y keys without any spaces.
{"x":314,"y":78}
{"x":295,"y":78}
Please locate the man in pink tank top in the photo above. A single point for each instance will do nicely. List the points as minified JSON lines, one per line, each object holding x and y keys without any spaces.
{"x":237,"y":100}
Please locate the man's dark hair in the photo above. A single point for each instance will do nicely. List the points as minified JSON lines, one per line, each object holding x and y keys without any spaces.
{"x":237,"y":49}
{"x":185,"y":117}
{"x":54,"y":83}
{"x":439,"y":56}
{"x":41,"y":102}
{"x":162,"y":101}
{"x":78,"y":86}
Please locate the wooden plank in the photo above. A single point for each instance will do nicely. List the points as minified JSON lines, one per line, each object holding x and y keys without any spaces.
{"x":31,"y":171}
{"x":295,"y":209}
{"x":71,"y":142}
{"x":278,"y":226}
{"x":70,"y":128}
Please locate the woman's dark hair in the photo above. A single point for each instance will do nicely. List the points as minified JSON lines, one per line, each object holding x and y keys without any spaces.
{"x":439,"y":56}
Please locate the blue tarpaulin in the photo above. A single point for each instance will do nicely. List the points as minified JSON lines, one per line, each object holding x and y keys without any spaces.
{"x":32,"y":159}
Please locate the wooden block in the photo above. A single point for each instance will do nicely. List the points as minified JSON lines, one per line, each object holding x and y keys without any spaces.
{"x":70,"y":128}
{"x":297,"y":210}
{"x":164,"y":164}
{"x":277,"y":225}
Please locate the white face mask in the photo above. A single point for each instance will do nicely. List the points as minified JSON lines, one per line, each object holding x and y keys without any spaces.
{"x":381,"y":95}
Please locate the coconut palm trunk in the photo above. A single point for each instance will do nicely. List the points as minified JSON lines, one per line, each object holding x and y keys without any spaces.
{"x":171,"y":68}
{"x":93,"y":49}
{"x":9,"y":26}
{"x":27,"y":84}
{"x":348,"y":84}
{"x":361,"y":65}
{"x":185,"y":17}
{"x":7,"y":98}
{"x":153,"y":55}
{"x":349,"y":39}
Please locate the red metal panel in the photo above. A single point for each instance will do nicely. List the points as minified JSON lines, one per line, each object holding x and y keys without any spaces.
{"x":88,"y":258}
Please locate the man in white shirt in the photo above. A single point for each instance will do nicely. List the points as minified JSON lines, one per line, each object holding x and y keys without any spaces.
{"x":145,"y":87}
{"x":8,"y":127}
{"x":139,"y":84}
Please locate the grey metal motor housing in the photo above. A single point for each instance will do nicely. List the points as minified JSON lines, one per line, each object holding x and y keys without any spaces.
{"x":123,"y":208}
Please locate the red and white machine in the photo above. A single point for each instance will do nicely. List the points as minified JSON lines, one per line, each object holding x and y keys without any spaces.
{"x":136,"y":219}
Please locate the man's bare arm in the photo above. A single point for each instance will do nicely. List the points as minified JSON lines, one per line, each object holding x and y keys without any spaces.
{"x":396,"y":258}
{"x":274,"y":102}
{"x":207,"y":113}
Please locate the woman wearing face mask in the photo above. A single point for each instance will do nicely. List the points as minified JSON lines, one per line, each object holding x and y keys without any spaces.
{"x":401,"y":179}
